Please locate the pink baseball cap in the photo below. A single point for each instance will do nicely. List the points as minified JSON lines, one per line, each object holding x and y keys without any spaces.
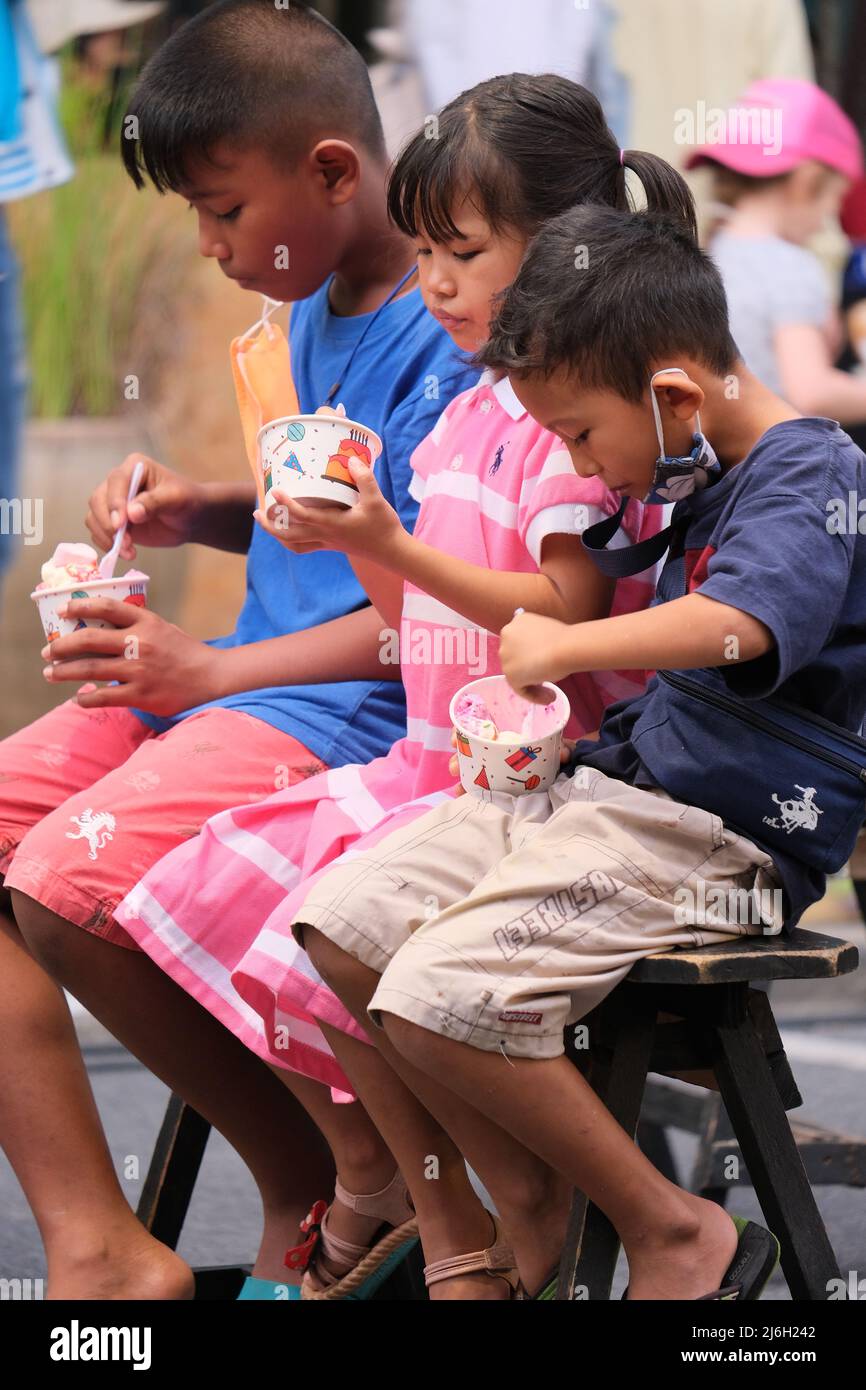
{"x":777,"y":124}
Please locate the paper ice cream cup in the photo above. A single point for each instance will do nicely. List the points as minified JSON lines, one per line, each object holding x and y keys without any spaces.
{"x":529,"y":763}
{"x":128,"y":588}
{"x":307,"y":457}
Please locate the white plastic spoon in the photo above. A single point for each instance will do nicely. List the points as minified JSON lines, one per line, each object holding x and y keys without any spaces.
{"x":109,"y":559}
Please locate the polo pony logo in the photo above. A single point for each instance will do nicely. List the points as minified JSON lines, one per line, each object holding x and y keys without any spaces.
{"x":796,"y":814}
{"x":96,"y":829}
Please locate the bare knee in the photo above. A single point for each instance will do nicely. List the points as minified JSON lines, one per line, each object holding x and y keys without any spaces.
{"x":336,"y":967}
{"x":409,"y":1039}
{"x":45,"y":934}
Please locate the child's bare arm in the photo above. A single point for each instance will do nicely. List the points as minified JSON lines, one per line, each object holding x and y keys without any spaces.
{"x":568,"y":587}
{"x":688,"y":632}
{"x":383,"y":588}
{"x":811,"y":382}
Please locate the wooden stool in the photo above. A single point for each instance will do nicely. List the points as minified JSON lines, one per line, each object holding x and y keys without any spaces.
{"x":722,"y":1025}
{"x":167,"y":1192}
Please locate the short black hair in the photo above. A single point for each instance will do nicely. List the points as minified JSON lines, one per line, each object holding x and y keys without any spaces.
{"x":525,"y":147}
{"x":606,"y":294}
{"x":252,"y":73}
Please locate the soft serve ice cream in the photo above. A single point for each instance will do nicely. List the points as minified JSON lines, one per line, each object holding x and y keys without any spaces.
{"x":70,"y":564}
{"x":472,"y":714}
{"x":73,"y":572}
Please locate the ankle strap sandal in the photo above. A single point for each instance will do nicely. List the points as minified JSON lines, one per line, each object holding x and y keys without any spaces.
{"x":497,"y":1261}
{"x":362,"y":1269}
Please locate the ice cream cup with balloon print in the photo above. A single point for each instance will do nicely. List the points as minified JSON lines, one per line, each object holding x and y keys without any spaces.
{"x":506,"y":743}
{"x":307,"y":457}
{"x":72,"y":572}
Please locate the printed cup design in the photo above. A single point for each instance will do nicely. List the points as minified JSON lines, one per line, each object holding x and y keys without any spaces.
{"x":529,"y":763}
{"x":128,"y":590}
{"x":307,"y":457}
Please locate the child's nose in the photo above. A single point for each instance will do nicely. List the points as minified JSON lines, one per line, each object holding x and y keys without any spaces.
{"x":211,"y":246}
{"x":587,"y":470}
{"x":441,"y":282}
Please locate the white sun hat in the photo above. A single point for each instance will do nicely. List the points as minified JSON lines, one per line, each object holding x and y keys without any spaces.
{"x":57,"y":21}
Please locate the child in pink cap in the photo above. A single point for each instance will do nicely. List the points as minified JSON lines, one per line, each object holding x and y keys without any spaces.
{"x":783,"y":159}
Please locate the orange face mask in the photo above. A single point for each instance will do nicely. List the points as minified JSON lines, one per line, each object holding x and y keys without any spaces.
{"x":262,"y":371}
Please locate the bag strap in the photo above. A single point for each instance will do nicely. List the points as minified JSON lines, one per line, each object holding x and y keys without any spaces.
{"x":628,"y":559}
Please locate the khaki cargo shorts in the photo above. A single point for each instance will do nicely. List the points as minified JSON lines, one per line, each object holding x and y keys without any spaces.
{"x":497,"y":923}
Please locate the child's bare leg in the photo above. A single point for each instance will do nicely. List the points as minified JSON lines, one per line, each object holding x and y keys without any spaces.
{"x":678,"y":1245}
{"x":52,"y":1136}
{"x":451,"y":1219}
{"x":531,"y":1199}
{"x":178,"y":1040}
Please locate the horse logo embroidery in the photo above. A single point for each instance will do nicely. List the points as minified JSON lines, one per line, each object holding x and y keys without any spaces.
{"x":97,"y":829}
{"x":497,"y":459}
{"x":796,"y":814}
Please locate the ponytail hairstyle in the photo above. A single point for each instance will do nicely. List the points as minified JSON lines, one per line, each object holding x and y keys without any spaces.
{"x":524,"y":149}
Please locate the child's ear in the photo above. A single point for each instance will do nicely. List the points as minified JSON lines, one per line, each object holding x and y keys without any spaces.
{"x":336,"y":165}
{"x":677,"y":394}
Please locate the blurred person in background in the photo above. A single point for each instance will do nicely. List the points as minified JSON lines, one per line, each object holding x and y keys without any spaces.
{"x":853,"y":219}
{"x":679,"y":58}
{"x":853,"y":355}
{"x":33,"y":157}
{"x":788,"y":157}
{"x":435,"y":49}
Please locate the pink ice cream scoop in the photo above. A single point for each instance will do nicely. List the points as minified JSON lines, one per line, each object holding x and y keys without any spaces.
{"x":70,"y":564}
{"x":473,"y":715}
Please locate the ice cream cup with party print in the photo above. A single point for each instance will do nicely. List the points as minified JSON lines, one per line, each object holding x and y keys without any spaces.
{"x":307,"y":457}
{"x":506,"y":743}
{"x":72,"y":572}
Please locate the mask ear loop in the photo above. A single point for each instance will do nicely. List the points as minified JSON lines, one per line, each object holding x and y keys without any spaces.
{"x":657,"y":415}
{"x":270,"y":307}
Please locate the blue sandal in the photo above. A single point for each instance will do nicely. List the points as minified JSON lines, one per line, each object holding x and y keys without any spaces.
{"x":268,"y":1289}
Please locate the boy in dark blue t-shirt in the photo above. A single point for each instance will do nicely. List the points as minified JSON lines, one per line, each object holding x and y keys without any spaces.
{"x":545,"y":901}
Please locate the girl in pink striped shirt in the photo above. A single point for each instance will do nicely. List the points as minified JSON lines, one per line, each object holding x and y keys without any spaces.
{"x":501,"y":514}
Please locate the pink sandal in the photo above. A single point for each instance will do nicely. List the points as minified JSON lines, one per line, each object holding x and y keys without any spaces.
{"x":497,"y":1261}
{"x":366,"y":1267}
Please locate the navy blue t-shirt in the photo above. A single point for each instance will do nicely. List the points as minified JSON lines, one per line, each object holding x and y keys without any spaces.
{"x":777,"y":537}
{"x":404,"y":374}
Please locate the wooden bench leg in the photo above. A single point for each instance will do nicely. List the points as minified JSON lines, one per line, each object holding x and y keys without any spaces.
{"x":618,"y":1076}
{"x":173,"y":1170}
{"x":654,"y":1143}
{"x":757,"y":1113}
{"x":703,"y":1180}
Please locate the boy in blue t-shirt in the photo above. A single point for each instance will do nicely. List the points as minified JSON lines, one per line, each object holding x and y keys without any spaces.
{"x":263,"y":118}
{"x":678,"y":825}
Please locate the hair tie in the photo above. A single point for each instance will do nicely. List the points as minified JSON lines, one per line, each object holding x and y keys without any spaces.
{"x":622,"y":158}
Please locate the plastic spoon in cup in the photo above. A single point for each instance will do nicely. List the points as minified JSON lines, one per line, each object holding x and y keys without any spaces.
{"x":109,"y":559}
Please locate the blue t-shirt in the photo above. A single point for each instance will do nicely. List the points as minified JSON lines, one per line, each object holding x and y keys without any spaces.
{"x":767,"y":538}
{"x":404,"y":374}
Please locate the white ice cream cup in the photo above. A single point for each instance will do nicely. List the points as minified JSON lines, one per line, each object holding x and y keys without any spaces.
{"x":306,"y":457}
{"x":127,"y":588}
{"x":531,"y":763}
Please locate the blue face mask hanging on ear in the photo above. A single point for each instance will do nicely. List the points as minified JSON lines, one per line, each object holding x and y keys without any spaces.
{"x":678,"y":476}
{"x":675,"y":477}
